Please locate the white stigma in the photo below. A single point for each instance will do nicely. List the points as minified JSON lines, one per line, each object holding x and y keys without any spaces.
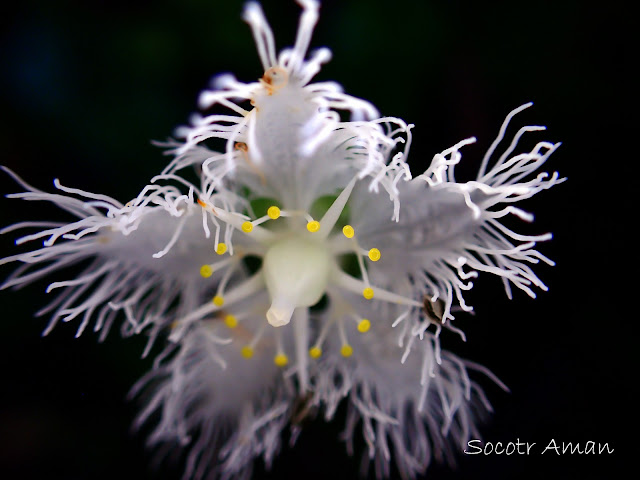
{"x":296,"y":273}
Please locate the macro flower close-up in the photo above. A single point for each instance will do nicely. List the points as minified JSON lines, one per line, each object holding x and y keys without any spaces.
{"x":289,"y":264}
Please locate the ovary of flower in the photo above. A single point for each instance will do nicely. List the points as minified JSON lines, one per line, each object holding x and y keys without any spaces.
{"x":296,"y":273}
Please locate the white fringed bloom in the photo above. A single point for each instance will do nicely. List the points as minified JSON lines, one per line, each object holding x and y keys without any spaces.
{"x":304,"y":243}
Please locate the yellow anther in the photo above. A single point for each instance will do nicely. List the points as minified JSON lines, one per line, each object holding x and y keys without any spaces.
{"x":273,"y":212}
{"x":281,"y":359}
{"x":348,"y":231}
{"x":247,"y":227}
{"x":246,"y":351}
{"x":222,"y":248}
{"x":206,"y":271}
{"x":230,"y":321}
{"x":364,"y":325}
{"x":374,"y":254}
{"x":313,"y":226}
{"x":368,"y":293}
{"x":315,"y":352}
{"x":218,"y":301}
{"x":346,"y":350}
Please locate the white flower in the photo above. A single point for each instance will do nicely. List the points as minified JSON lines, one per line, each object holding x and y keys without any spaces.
{"x":288,"y":264}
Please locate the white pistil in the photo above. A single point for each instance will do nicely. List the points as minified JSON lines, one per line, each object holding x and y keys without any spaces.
{"x":296,"y":273}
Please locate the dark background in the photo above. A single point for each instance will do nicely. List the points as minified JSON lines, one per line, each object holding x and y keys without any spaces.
{"x":86,"y":85}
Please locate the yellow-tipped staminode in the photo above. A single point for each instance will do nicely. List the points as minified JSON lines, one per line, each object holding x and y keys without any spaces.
{"x":281,"y":359}
{"x":364,"y":325}
{"x":206,"y":271}
{"x":273,"y":212}
{"x":346,"y":350}
{"x":247,"y":227}
{"x":247,"y":351}
{"x":374,"y":254}
{"x":348,"y":231}
{"x":315,"y":352}
{"x":313,"y":226}
{"x":368,"y":293}
{"x":218,"y":301}
{"x":222,"y":248}
{"x":231,"y":321}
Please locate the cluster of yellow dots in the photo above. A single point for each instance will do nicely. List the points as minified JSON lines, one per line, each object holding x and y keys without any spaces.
{"x":207,"y":270}
{"x":247,"y":351}
{"x":373,"y":254}
{"x":346,"y":350}
{"x":313,"y":226}
{"x":273,"y":213}
{"x":280,"y":359}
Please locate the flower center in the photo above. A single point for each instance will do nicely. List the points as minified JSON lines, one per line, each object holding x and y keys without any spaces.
{"x":296,"y":273}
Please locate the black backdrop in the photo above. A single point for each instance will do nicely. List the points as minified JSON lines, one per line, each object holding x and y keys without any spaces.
{"x":85,"y":85}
